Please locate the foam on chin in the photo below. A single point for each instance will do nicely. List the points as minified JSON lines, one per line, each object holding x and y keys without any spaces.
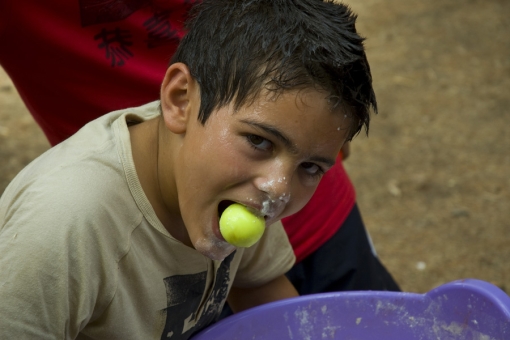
{"x":214,"y":249}
{"x":211,"y":246}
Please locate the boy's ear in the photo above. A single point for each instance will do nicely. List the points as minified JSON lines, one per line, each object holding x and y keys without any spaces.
{"x":177,"y":91}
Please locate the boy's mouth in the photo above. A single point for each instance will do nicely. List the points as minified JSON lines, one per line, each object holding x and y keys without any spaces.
{"x":225,"y":204}
{"x":222,"y":206}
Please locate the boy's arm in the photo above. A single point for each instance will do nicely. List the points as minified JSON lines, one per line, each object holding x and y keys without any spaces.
{"x":240,"y":299}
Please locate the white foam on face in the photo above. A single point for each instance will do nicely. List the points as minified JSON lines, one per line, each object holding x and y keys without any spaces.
{"x":269,"y":208}
{"x":273,"y":204}
{"x":212,"y":247}
{"x":268,"y":185}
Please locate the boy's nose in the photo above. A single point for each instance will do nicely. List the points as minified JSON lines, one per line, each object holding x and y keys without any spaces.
{"x":276,"y":183}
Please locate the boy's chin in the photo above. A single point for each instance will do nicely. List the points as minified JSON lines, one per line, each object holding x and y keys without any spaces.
{"x":215,"y":250}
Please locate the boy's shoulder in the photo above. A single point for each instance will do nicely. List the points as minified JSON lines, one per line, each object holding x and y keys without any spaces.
{"x":75,"y":199}
{"x":85,"y":179}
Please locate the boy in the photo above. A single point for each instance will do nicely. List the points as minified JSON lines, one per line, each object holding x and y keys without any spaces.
{"x":114,"y":232}
{"x":102,"y":57}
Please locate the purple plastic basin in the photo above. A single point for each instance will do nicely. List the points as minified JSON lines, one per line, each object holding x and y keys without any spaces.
{"x":465,"y":309}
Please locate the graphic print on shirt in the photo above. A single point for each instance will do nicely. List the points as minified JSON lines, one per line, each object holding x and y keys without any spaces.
{"x":184,"y":293}
{"x":115,"y":42}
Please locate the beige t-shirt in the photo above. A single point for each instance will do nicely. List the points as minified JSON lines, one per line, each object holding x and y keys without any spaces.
{"x":83,"y":255}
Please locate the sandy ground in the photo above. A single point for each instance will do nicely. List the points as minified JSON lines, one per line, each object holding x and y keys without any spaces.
{"x":433,"y":176}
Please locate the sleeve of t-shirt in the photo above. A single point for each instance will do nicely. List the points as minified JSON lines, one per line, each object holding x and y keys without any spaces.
{"x":53,"y":275}
{"x":269,"y":258}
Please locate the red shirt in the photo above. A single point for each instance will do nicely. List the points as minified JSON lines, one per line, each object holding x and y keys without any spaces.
{"x":74,"y":60}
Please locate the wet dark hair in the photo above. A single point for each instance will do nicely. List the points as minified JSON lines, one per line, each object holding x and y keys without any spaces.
{"x":236,"y":48}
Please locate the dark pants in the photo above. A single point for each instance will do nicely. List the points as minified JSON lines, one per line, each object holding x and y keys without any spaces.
{"x":345,"y":262}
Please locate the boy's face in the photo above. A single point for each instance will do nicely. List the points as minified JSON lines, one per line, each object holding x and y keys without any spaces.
{"x":269,"y":155}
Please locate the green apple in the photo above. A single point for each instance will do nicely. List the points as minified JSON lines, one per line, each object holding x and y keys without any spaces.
{"x":241,"y":227}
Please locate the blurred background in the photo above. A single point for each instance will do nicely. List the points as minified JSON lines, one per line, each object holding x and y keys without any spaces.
{"x":433,"y":177}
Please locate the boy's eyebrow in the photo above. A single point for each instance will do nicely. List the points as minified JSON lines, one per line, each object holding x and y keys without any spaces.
{"x":286,"y":140}
{"x":275,"y":132}
{"x":330,"y":162}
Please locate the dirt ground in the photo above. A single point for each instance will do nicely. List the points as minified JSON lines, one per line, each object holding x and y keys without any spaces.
{"x":433,"y":177}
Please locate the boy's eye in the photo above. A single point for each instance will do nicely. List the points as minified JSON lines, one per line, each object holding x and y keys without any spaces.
{"x":260,"y":143}
{"x":312,"y":169}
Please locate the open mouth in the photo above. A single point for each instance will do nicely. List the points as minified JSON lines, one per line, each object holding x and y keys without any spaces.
{"x":223,"y":205}
{"x":226,"y":203}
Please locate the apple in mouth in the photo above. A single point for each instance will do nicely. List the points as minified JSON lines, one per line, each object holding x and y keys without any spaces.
{"x":240,"y":225}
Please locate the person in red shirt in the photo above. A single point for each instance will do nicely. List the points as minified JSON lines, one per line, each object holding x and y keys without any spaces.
{"x":73,"y":61}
